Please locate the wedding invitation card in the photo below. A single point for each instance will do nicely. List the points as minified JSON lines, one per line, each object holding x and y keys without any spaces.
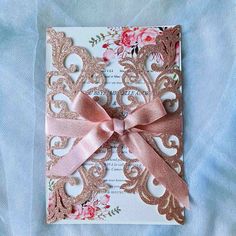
{"x":114,"y":135}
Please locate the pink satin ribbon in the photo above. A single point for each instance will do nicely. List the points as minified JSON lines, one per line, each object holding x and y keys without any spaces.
{"x":97,"y":127}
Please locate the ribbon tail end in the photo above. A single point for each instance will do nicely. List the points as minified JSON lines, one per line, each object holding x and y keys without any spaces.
{"x":186,"y":202}
{"x":52,"y":172}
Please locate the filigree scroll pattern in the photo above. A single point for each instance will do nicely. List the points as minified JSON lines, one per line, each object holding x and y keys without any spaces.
{"x":168,"y":81}
{"x":61,"y":83}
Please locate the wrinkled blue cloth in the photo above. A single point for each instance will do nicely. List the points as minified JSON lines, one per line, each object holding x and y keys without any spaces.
{"x":209,"y":67}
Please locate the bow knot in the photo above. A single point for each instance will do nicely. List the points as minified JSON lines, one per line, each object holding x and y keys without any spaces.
{"x":96,"y":127}
{"x":118,"y":126}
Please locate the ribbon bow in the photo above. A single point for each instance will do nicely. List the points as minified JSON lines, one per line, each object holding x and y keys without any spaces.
{"x":97,"y":127}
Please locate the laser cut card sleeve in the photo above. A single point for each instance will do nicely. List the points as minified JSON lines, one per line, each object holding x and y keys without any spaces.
{"x":114,"y":141}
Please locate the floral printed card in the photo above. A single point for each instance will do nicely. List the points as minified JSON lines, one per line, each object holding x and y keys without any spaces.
{"x":121,"y":68}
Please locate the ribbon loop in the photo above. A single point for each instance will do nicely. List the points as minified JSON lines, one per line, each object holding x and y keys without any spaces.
{"x":90,"y":110}
{"x":97,"y":128}
{"x":146,"y":114}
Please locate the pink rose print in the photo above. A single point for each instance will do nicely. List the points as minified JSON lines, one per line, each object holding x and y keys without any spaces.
{"x":128,"y":38}
{"x":89,"y":212}
{"x":76,"y":212}
{"x":177,"y":48}
{"x":108,"y":55}
{"x":92,"y":209}
{"x":147,"y":36}
{"x":127,"y":42}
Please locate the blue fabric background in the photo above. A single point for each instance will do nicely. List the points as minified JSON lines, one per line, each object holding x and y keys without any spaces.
{"x":209,"y":66}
